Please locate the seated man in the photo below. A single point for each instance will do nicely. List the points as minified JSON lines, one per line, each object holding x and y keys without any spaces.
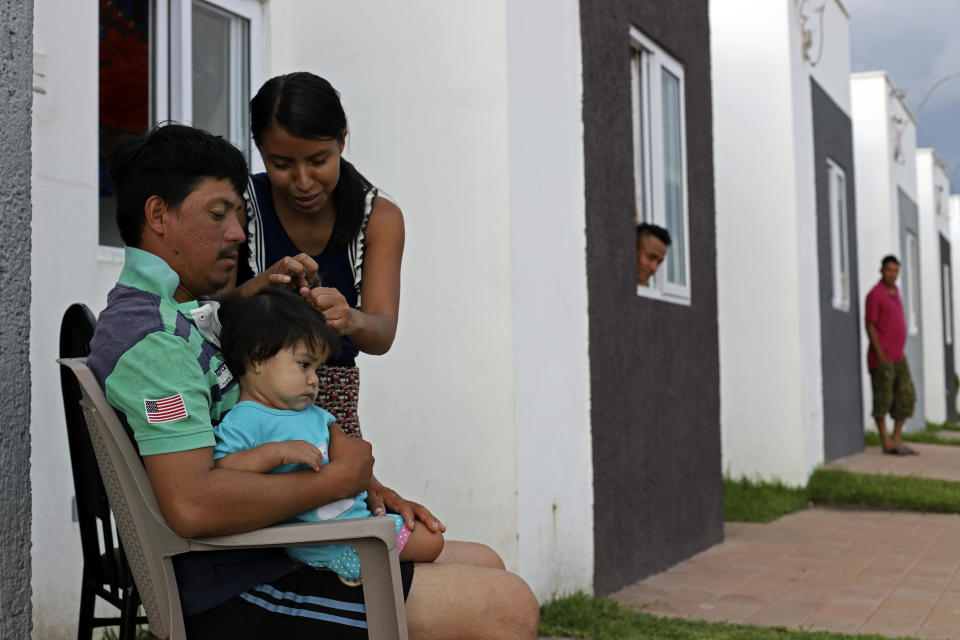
{"x":652,"y":243}
{"x":179,"y":193}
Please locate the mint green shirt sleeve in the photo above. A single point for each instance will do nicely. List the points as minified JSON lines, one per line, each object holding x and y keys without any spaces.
{"x":162,"y":367}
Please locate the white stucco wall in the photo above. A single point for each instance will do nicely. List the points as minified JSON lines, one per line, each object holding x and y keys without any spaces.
{"x":426,"y":103}
{"x":769,"y":322}
{"x":555,"y":483}
{"x":477,"y":134}
{"x":932,"y":179}
{"x":65,"y":269}
{"x":830,"y":48}
{"x":878,"y":178}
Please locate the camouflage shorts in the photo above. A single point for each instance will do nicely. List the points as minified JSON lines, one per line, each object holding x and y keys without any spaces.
{"x":893,"y":391}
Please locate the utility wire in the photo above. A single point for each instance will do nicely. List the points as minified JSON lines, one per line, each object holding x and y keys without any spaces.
{"x":936,"y":85}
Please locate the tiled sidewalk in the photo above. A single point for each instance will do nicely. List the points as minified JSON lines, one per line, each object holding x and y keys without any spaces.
{"x":892,"y":573}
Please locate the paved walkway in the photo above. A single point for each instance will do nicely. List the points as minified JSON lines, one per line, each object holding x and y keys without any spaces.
{"x":842,"y":570}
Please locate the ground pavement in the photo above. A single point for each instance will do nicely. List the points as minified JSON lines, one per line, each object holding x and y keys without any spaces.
{"x":843,"y":570}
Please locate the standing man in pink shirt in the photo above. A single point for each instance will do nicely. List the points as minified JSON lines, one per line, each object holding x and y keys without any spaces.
{"x":893,"y":391}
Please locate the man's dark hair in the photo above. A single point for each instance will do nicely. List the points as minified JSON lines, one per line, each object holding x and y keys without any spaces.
{"x":647,"y":229}
{"x":169,"y":162}
{"x":890,"y":258}
{"x":273,"y":319}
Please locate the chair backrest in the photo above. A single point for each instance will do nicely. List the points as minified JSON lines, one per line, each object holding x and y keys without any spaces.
{"x":149,"y":543}
{"x":107,"y":564}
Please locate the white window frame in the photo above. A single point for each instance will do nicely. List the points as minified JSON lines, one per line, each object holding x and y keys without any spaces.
{"x":171,"y":72}
{"x":839,"y":243}
{"x":947,"y":305}
{"x":913,"y":283}
{"x":647,"y":62}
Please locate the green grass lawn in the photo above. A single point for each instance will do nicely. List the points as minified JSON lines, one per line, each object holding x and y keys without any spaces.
{"x":945,"y":426}
{"x":746,"y":500}
{"x":580,"y":616}
{"x":836,"y":487}
{"x":872,"y":438}
{"x":929,"y":436}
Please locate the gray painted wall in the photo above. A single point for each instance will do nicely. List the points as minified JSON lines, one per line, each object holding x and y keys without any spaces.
{"x":948,"y":362}
{"x":839,"y":330}
{"x":909,"y":221}
{"x":654,"y":366}
{"x":16,"y":77}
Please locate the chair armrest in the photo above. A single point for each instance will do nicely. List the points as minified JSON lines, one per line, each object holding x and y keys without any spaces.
{"x":381,"y":528}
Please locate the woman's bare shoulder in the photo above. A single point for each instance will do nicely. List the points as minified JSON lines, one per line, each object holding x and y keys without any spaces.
{"x":385,"y":217}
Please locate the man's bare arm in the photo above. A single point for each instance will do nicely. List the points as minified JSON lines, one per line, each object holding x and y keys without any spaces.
{"x":197,"y":499}
{"x":875,"y":342}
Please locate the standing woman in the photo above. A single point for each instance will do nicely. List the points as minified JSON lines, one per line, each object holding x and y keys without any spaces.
{"x":312,"y":201}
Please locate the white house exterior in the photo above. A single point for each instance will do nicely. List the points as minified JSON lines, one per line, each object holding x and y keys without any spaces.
{"x":512,"y":136}
{"x":768,"y":238}
{"x":936,"y":277}
{"x":481,"y":409}
{"x":885,"y":135}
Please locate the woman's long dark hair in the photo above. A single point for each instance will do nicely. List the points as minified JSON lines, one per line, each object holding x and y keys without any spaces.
{"x":307,"y":106}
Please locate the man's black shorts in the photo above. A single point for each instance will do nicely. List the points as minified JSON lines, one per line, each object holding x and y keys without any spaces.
{"x":305,"y":604}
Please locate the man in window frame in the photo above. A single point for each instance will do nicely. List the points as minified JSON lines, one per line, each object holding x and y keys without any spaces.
{"x":652,"y":244}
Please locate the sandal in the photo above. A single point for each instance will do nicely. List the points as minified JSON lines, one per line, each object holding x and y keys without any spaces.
{"x":897,"y":450}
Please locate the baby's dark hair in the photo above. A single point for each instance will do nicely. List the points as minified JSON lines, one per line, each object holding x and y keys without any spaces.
{"x":273,"y":319}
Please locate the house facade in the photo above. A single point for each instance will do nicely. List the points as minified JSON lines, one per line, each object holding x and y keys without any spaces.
{"x":787,"y":223}
{"x":519,"y":408}
{"x":885,"y":143}
{"x":936,"y":278}
{"x":653,"y":350}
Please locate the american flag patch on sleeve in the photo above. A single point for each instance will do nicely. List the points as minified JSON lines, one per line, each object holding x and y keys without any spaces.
{"x":165,"y":409}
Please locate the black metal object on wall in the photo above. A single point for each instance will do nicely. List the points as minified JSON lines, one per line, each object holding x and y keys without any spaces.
{"x":840,"y":330}
{"x":654,"y":365}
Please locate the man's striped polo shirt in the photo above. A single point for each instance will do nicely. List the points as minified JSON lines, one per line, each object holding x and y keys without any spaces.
{"x":167,"y":381}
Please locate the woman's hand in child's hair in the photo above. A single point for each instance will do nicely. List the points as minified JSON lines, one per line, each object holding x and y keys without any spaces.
{"x":297,"y":452}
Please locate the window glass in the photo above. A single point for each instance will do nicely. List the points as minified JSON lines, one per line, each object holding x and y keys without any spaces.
{"x":220,"y":76}
{"x":842,"y":235}
{"x":660,"y":164}
{"x":673,"y":178}
{"x":641,"y":61}
{"x":140,"y":82}
{"x":124,"y":79}
{"x":839,"y":237}
{"x":913,"y":284}
{"x":947,"y":306}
